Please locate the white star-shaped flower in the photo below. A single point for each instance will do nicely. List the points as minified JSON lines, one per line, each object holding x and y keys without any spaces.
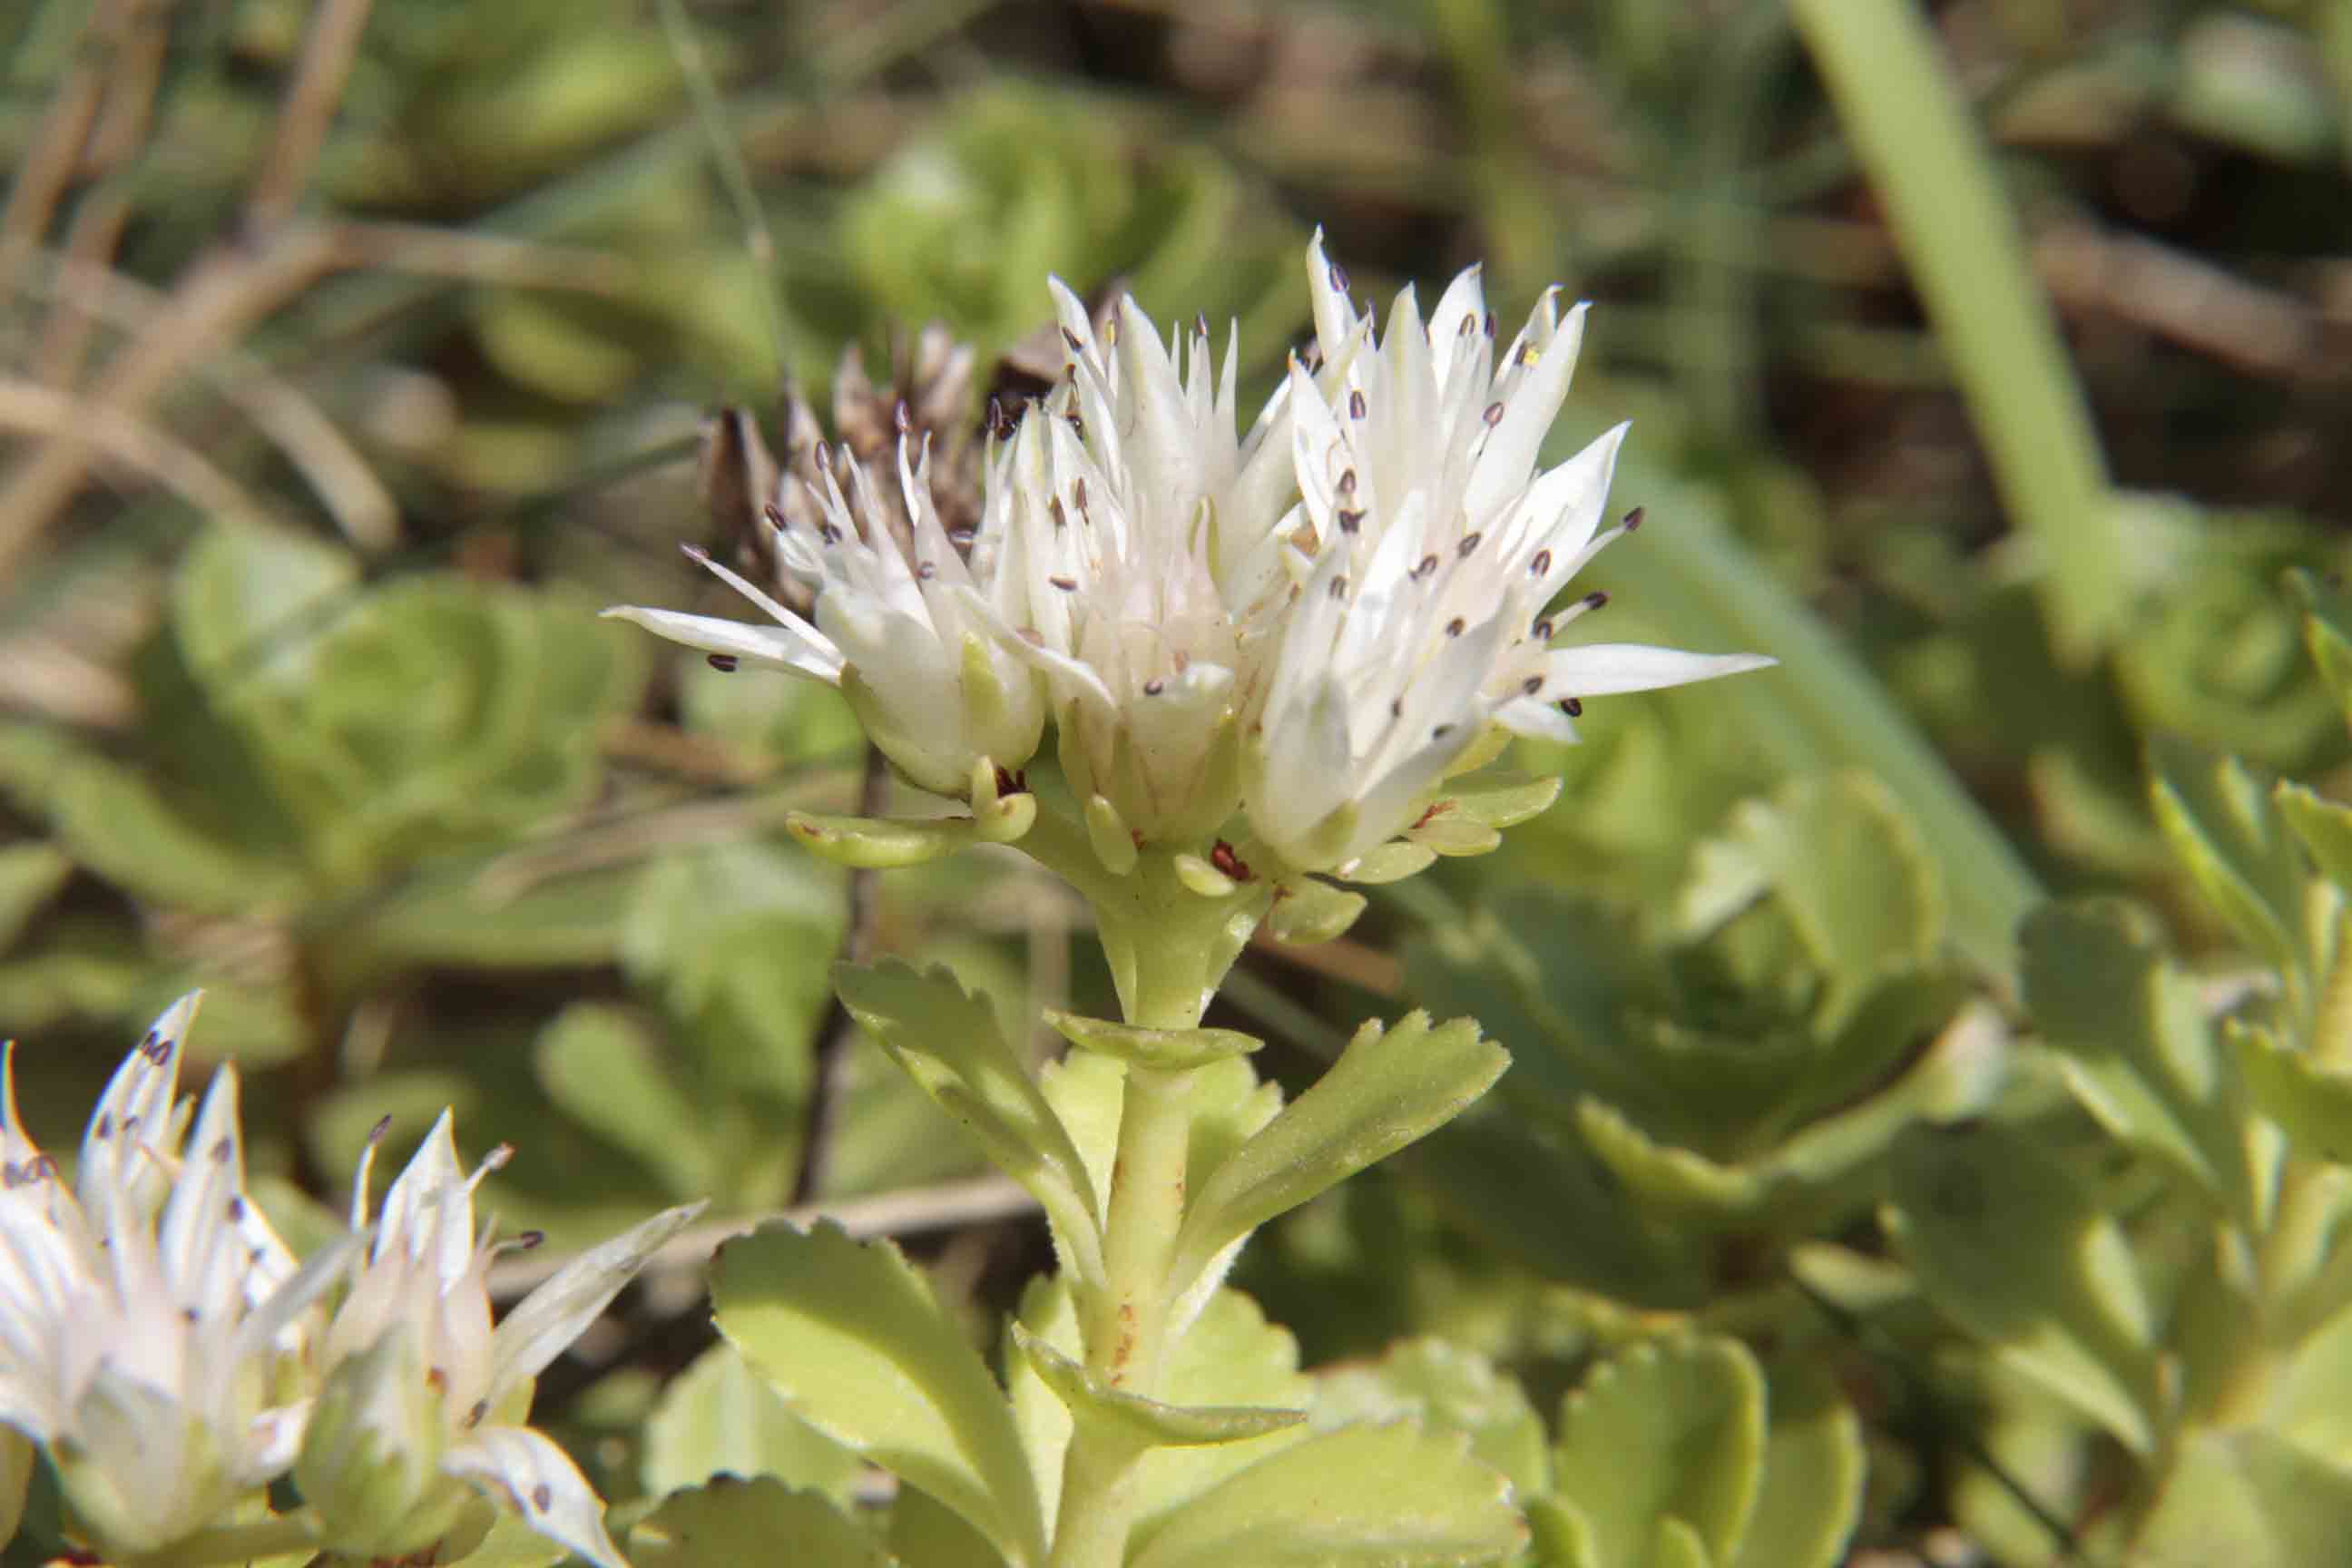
{"x":424,"y":1399}
{"x":1137,"y":530}
{"x":153,"y":1326}
{"x":897,"y":628}
{"x":1435,"y":555}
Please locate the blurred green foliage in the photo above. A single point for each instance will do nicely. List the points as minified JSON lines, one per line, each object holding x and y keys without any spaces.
{"x":1812,"y":1149}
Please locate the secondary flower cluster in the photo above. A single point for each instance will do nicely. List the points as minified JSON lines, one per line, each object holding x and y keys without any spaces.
{"x":165,"y":1348}
{"x":1309,"y":624}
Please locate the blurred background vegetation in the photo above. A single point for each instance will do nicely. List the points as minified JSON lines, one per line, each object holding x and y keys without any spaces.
{"x":352,"y":355}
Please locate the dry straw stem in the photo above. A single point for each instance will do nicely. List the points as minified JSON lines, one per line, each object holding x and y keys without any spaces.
{"x":228,"y":291}
{"x":111,"y":435}
{"x":309,"y":107}
{"x":86,"y":291}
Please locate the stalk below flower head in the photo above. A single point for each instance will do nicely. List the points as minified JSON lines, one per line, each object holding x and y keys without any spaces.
{"x":897,"y":631}
{"x":423,"y":1400}
{"x":1423,"y":608}
{"x":154,"y":1331}
{"x":1136,"y":529}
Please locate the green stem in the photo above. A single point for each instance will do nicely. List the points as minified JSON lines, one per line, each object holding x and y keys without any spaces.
{"x":1169,"y":949}
{"x":1126,"y":1329}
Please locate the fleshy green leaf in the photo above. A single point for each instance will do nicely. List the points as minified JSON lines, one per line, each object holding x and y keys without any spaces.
{"x":719,"y":1417}
{"x":2216,"y":815}
{"x":1846,"y":867}
{"x":1813,"y":1474}
{"x":1665,"y":1430}
{"x":884,"y":843}
{"x":1388,"y":1088}
{"x":1172,"y":1050}
{"x":29,"y":874}
{"x":2324,"y":827}
{"x":1364,"y":1497}
{"x":2312,"y":1104}
{"x":732,"y":1522}
{"x":2248,"y":1498}
{"x":2138,"y":1053}
{"x":2327,"y":629}
{"x":2009,"y":1244}
{"x":948,"y":1041}
{"x":853,"y":1340}
{"x":1150,"y":1422}
{"x":1443,"y":1387}
{"x":598,"y":1065}
{"x":1229,"y":1355}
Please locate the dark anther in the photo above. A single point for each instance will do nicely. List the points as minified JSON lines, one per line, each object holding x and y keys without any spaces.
{"x":1572,"y":706}
{"x":1469,"y":543}
{"x":1223,"y":858}
{"x":1595,"y":599}
{"x":1531,"y":685}
{"x":1066,"y":585}
{"x":724,"y":663}
{"x":1544,"y":629}
{"x":1348,"y":482}
{"x":1357,"y":407}
{"x":1077,"y":344}
{"x":925,"y":570}
{"x":1540,"y":565}
{"x":1427,"y":564}
{"x":1454,"y":627}
{"x":775,"y":516}
{"x":1339,"y":277}
{"x":1634,"y":520}
{"x":1154,"y":687}
{"x":1350,"y":520}
{"x":1054,"y":506}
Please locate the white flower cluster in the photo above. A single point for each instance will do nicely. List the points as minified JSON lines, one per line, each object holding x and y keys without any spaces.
{"x":1309,"y":624}
{"x":161,"y":1344}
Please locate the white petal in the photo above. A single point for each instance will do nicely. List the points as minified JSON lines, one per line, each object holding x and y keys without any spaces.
{"x":132,"y":1120}
{"x":548,"y":1319}
{"x":803,"y":652}
{"x":1509,"y":454}
{"x":526,"y":1470}
{"x":1602,"y":669}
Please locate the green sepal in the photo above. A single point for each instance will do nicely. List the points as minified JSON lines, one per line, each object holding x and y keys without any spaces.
{"x":1388,"y":1088}
{"x":1308,"y":910}
{"x":1113,"y":840}
{"x":1391,"y":862}
{"x":731,"y":1520}
{"x":1454,"y":834}
{"x":1380,"y":1496}
{"x":1148,"y":1422}
{"x":1200,"y":877}
{"x":853,"y":1340}
{"x":1170,"y":1051}
{"x":948,"y":1041}
{"x":885,"y":844}
{"x":1504,"y":799}
{"x":1492,"y":742}
{"x":1664,"y":1430}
